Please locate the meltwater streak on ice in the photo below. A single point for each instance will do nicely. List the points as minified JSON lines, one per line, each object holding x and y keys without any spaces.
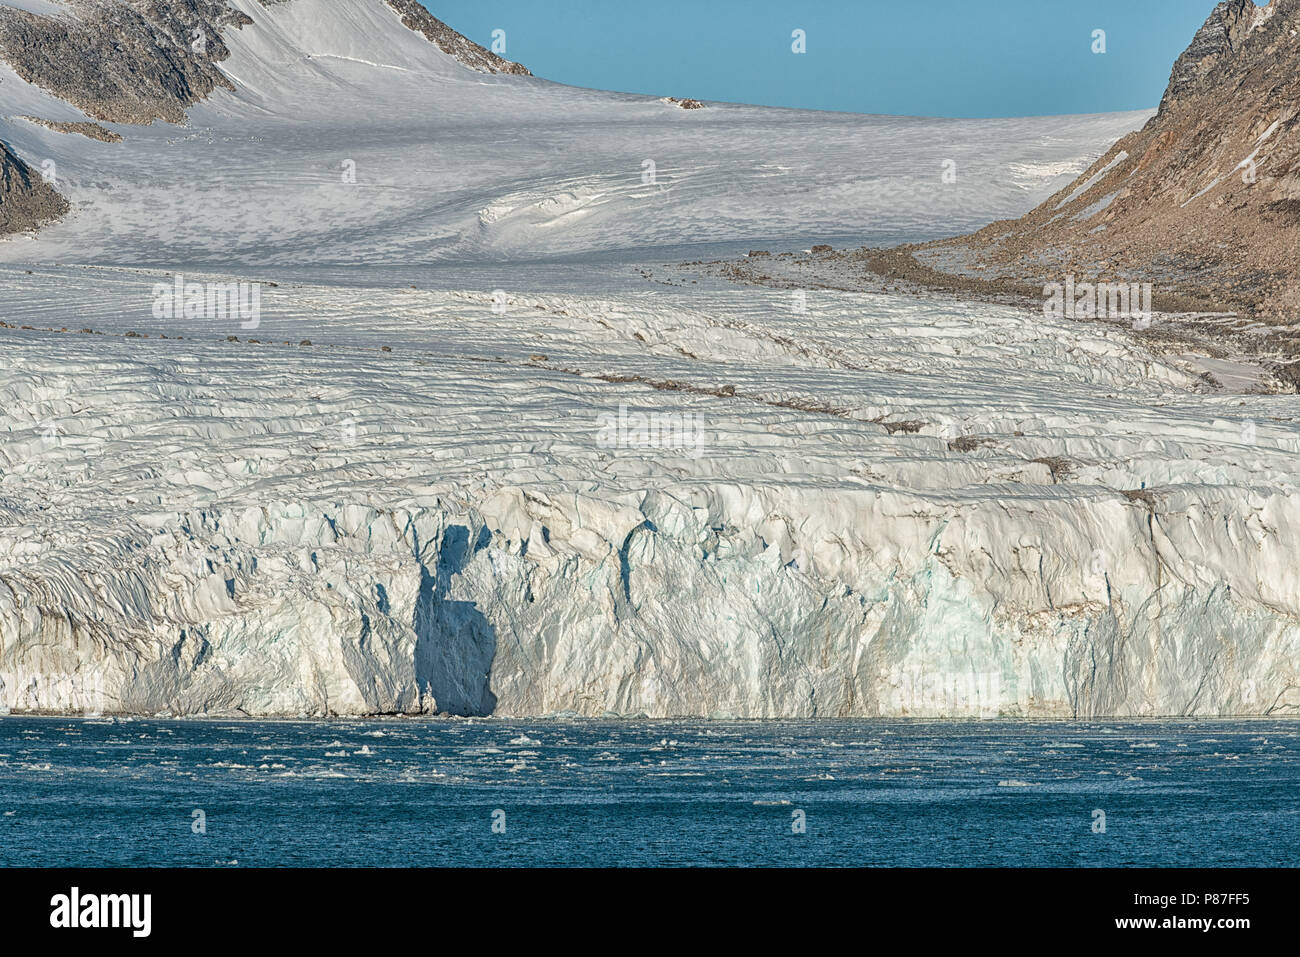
{"x":409,"y":793}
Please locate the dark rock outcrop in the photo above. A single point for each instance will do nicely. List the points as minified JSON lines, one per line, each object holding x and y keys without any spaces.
{"x":1223,"y":33}
{"x":416,"y":18}
{"x":128,"y":61}
{"x":26,"y":200}
{"x":90,"y":130}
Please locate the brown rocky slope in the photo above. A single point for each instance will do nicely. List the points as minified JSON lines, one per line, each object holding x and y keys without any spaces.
{"x":1202,"y":202}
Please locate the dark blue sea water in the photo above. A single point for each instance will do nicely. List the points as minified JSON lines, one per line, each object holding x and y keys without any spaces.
{"x":82,"y":792}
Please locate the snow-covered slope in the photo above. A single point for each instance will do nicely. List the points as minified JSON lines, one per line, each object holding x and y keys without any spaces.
{"x":451,"y":165}
{"x":419,"y":481}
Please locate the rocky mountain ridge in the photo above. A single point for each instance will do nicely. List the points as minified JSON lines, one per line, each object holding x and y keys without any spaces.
{"x":1204,"y":200}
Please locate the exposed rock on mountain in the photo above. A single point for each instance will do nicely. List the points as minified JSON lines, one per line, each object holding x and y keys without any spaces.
{"x":1204,"y":200}
{"x":92,"y":130}
{"x":1223,"y":33}
{"x":26,"y":200}
{"x":126,"y":61}
{"x":416,"y":18}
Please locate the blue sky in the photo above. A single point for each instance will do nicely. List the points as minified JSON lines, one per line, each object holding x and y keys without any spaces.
{"x":914,"y":57}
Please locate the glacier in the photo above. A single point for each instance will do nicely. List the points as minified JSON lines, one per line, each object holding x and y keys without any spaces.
{"x":392,"y":493}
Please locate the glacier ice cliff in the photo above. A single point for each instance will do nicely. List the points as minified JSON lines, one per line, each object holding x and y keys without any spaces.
{"x":732,"y":601}
{"x":183,"y":531}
